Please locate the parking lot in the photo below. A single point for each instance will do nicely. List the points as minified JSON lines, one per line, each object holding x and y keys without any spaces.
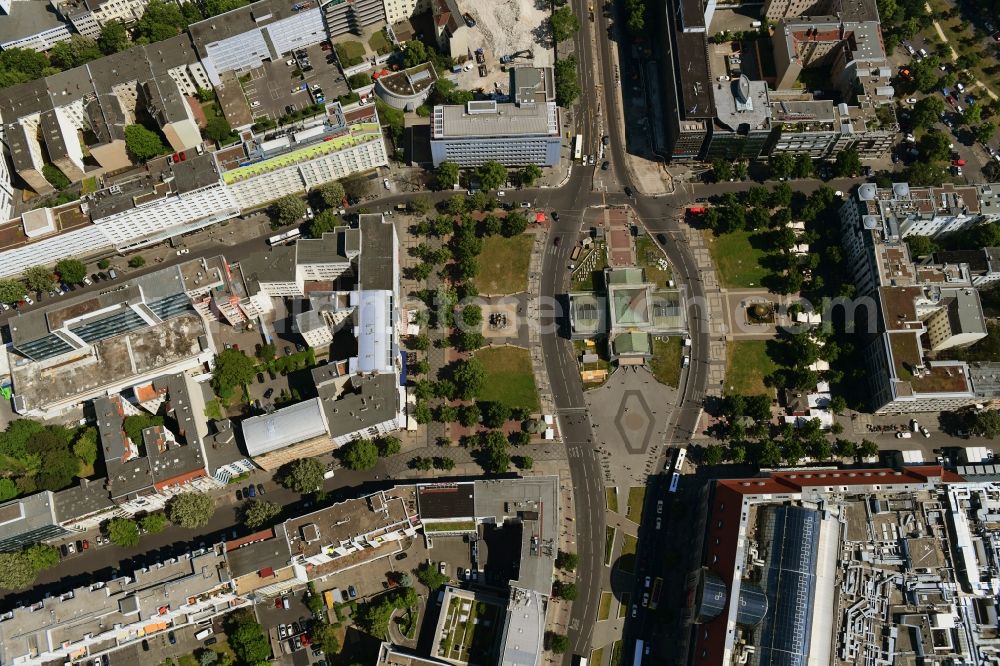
{"x":275,"y":87}
{"x":160,"y":647}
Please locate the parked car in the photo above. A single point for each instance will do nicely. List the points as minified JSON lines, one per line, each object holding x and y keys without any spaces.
{"x":268,"y":393}
{"x":400,"y":556}
{"x":86,"y":545}
{"x":211,"y":640}
{"x":260,"y":488}
{"x":295,"y":628}
{"x":145,"y":645}
{"x":260,"y":377}
{"x":251,"y":491}
{"x":469,"y":21}
{"x":239,"y":494}
{"x":172,"y":638}
{"x":79,"y":546}
{"x":646,"y":583}
{"x":659,"y":507}
{"x":285,"y":603}
{"x":64,"y":550}
{"x":282,"y":632}
{"x":351,"y":592}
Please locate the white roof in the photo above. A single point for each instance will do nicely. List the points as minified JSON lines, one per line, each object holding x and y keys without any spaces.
{"x":373,"y":331}
{"x":284,"y":427}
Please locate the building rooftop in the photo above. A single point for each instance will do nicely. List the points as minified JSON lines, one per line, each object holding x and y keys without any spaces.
{"x":363,"y":519}
{"x":409,"y":82}
{"x":494,"y":119}
{"x":34,"y":515}
{"x":26,"y":19}
{"x":378,"y":264}
{"x":741,"y":105}
{"x":237,"y":21}
{"x":268,"y":553}
{"x":532,"y":85}
{"x":289,"y":425}
{"x":446,"y":500}
{"x":275,"y":265}
{"x":80,"y":501}
{"x":366,"y":401}
{"x":333,"y":247}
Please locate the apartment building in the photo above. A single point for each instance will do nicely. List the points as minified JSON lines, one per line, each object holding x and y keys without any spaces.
{"x":351,"y":16}
{"x":984,"y":263}
{"x":30,"y":24}
{"x":401,"y":10}
{"x":267,"y":166}
{"x":89,"y":16}
{"x":913,"y":310}
{"x":450,"y":28}
{"x":243,"y":38}
{"x":480,"y":131}
{"x":29,"y":520}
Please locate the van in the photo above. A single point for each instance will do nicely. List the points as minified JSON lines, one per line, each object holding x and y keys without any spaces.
{"x":203,"y":634}
{"x":112,"y":274}
{"x":685,"y":361}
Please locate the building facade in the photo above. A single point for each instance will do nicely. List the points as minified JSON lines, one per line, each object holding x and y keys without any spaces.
{"x":514,"y":135}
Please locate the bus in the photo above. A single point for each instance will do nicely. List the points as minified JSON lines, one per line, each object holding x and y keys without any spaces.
{"x":675,"y":480}
{"x":654,"y":598}
{"x":283,"y":239}
{"x":637,"y":658}
{"x":578,"y":150}
{"x":679,"y":460}
{"x":581,"y":661}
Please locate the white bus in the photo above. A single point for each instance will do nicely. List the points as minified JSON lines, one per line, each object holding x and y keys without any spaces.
{"x":581,"y":661}
{"x":578,"y":149}
{"x":203,"y":634}
{"x":637,"y":658}
{"x":679,"y":460}
{"x":282,"y":239}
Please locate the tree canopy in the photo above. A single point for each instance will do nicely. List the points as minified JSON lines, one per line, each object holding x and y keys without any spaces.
{"x":191,"y":510}
{"x":469,"y":377}
{"x":11,"y":291}
{"x":246,"y":637}
{"x":38,"y":278}
{"x":73,"y":52}
{"x":123,"y":532}
{"x":304,"y":475}
{"x":564,"y":23}
{"x":567,"y":83}
{"x":360,"y":455}
{"x":217,"y":129}
{"x":232,"y":368}
{"x":446,"y":175}
{"x":258,"y":513}
{"x":113,"y":38}
{"x":331,"y":194}
{"x":72,"y":271}
{"x":142,"y":144}
{"x":289,"y":209}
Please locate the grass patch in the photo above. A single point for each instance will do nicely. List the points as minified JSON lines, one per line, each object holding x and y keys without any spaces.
{"x":629,"y":544}
{"x":609,"y":544}
{"x":636,"y":496}
{"x":596,"y":656}
{"x":623,"y":605}
{"x":213,"y":410}
{"x":449,"y":527}
{"x":611,"y":493}
{"x":736,"y":259}
{"x":590,"y":280}
{"x":379,"y":44}
{"x":503,"y":264}
{"x":616,"y":652}
{"x":747,"y":363}
{"x":509,"y":378}
{"x":666,"y":362}
{"x":648,"y":255}
{"x":88,"y":185}
{"x":350,"y":52}
{"x":604,"y":609}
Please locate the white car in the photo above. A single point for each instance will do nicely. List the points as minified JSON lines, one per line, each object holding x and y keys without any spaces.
{"x":961,"y":88}
{"x":442,"y":568}
{"x":904,"y":435}
{"x":911,"y":100}
{"x":723,"y":78}
{"x":646,"y":583}
{"x":659,"y":507}
{"x":27,"y":299}
{"x":282,"y":632}
{"x":838,"y":193}
{"x":385,"y":183}
{"x":290,"y":62}
{"x":659,"y":522}
{"x":501,"y":193}
{"x":254,"y":104}
{"x":87,"y":281}
{"x":645,"y":599}
{"x":183,"y":251}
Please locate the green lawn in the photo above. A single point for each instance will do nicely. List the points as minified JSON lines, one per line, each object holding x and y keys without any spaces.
{"x":604,"y":609}
{"x":747,"y":363}
{"x":636,"y":496}
{"x":666,"y":362}
{"x":379,"y":44}
{"x":351,"y":49}
{"x":626,"y":561}
{"x":590,"y":280}
{"x":616,"y":651}
{"x":609,"y":544}
{"x":648,"y":254}
{"x":735,"y":259}
{"x":612,"y":498}
{"x":509,"y":378}
{"x":503,"y":264}
{"x":596,"y":656}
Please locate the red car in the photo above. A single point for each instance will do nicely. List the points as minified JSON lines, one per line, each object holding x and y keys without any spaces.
{"x":958,"y":162}
{"x":86,"y":544}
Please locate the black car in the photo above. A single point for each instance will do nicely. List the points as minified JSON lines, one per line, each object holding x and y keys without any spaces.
{"x":557,"y":240}
{"x":145,"y":645}
{"x":260,"y":377}
{"x":172,"y":638}
{"x":257,"y":348}
{"x":239,"y":494}
{"x":400,"y":556}
{"x":95,"y":277}
{"x":605,"y":139}
{"x":296,"y":629}
{"x":64,"y":550}
{"x":299,"y":347}
{"x":270,"y":373}
{"x":79,"y":546}
{"x":628,"y":191}
{"x":662,"y":238}
{"x":260,"y":488}
{"x":288,"y":350}
{"x":469,"y":21}
{"x":212,"y":640}
{"x":268,"y":393}
{"x":604,"y":165}
{"x":555,"y":216}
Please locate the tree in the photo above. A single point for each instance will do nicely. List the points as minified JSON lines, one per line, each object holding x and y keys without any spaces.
{"x":456,"y":204}
{"x":470,"y":341}
{"x":567,"y":84}
{"x":142,"y":144}
{"x":565,"y":591}
{"x":153,"y":523}
{"x":934,"y":147}
{"x":921,"y":246}
{"x":514,"y":224}
{"x":469,"y":378}
{"x":567,"y":561}
{"x":985,"y":132}
{"x":37,"y":278}
{"x":430,"y":576}
{"x":420,"y":342}
{"x":985,"y":424}
{"x":332,"y":194}
{"x":492,"y":175}
{"x":446,"y":175}
{"x":123,"y":532}
{"x":564,"y":23}
{"x":161,"y":20}
{"x":868,"y":449}
{"x":246,"y":637}
{"x":326,"y":221}
{"x":360,"y":455}
{"x":138,"y":261}
{"x":113,"y":38}
{"x":558,"y":643}
{"x":324,"y":636}
{"x":497,"y":457}
{"x":838,"y":405}
{"x":530,"y":174}
{"x":495,"y":414}
{"x":74,"y":52}
{"x":217,"y":129}
{"x":40,"y":556}
{"x":472,"y":316}
{"x":258,"y":513}
{"x":444,"y":463}
{"x":803,"y":167}
{"x":422,"y":463}
{"x":712,"y":454}
{"x":847,"y":163}
{"x":191,"y":510}
{"x":524,"y":462}
{"x":302,"y":476}
{"x":415,"y":53}
{"x":289,"y":209}
{"x":356,"y":187}
{"x":422,"y":412}
{"x":16,"y":571}
{"x":208,"y":657}
{"x":8,"y":489}
{"x":71,"y":271}
{"x":11,"y":291}
{"x":232,"y":368}
{"x":419,"y":204}
{"x":388,"y":446}
{"x":926,"y":112}
{"x":781,"y":165}
{"x":445,"y":414}
{"x":469,"y":415}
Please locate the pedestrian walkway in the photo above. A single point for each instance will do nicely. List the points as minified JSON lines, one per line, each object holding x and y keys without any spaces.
{"x":714,"y":310}
{"x":533,"y":321}
{"x":951,"y":50}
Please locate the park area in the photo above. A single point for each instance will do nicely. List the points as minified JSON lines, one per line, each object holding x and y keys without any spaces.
{"x":509,"y":377}
{"x":747,"y":364}
{"x":737,"y":256}
{"x":503,"y":264}
{"x":666,"y":361}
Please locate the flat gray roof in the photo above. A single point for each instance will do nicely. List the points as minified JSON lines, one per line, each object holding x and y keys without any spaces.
{"x":276,"y":265}
{"x":272,"y":553}
{"x":86,"y":499}
{"x":34,"y":514}
{"x":26,"y":19}
{"x":455,"y":121}
{"x":331,"y":248}
{"x":533,"y":85}
{"x":284,"y":427}
{"x":378,"y":262}
{"x":368,"y":401}
{"x":238,"y":21}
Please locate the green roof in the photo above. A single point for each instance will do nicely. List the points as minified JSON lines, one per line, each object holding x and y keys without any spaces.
{"x":625,"y":276}
{"x":631,"y":343}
